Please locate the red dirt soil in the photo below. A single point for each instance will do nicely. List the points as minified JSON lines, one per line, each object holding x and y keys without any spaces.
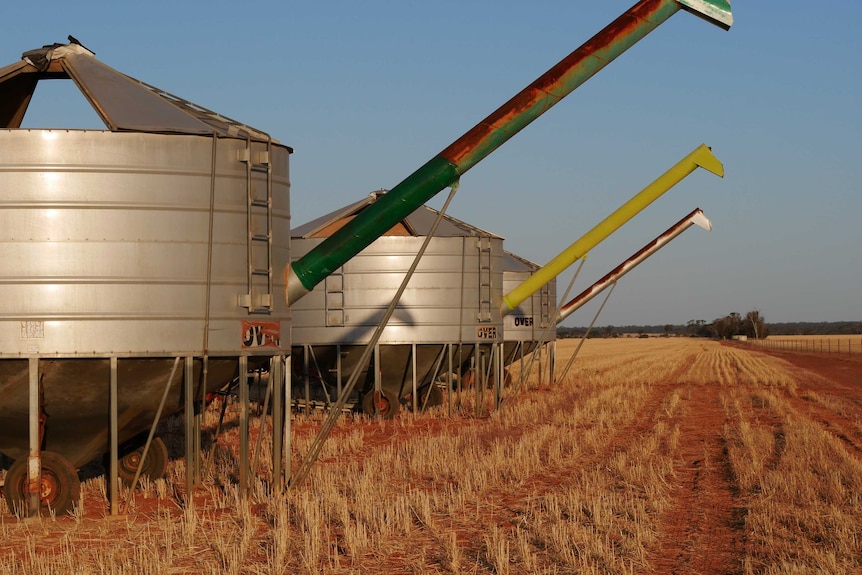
{"x":703,"y":533}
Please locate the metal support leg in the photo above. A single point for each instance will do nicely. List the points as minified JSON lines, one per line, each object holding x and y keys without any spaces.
{"x":338,"y":368}
{"x":189,"y":422}
{"x":243,"y":426}
{"x":113,"y":467}
{"x":541,"y":351}
{"x":521,"y":350}
{"x":522,"y":376}
{"x":288,"y":373}
{"x":459,"y":395}
{"x":262,"y":425}
{"x":479,"y":377}
{"x":415,"y":391}
{"x":377,"y":372}
{"x":276,"y":375}
{"x":498,"y":376}
{"x":449,"y":381}
{"x":34,"y":462}
{"x":200,"y":393}
{"x":306,"y":360}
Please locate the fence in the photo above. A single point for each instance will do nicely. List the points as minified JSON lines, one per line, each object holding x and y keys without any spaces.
{"x":848,"y":346}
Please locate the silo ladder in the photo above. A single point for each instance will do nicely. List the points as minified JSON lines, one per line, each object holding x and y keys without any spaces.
{"x":485,"y":282}
{"x":259,"y":225}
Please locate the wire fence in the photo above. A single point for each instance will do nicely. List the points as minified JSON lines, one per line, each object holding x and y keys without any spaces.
{"x":843,"y":346}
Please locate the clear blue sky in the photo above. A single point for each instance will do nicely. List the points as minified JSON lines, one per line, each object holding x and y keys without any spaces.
{"x":365,"y":92}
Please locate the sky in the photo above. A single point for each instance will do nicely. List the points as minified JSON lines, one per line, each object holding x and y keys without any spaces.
{"x":366,"y":92}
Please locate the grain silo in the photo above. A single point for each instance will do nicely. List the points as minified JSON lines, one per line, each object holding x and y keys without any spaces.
{"x":529,"y":330}
{"x":134,"y":257}
{"x":449,"y":311}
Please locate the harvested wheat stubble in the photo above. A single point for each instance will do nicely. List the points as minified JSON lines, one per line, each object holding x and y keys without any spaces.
{"x":660,"y":455}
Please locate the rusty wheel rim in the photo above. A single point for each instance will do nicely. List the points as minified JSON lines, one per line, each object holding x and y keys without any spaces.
{"x":380,"y":402}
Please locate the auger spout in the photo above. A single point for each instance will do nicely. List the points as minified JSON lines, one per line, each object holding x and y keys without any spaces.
{"x":696,"y":217}
{"x":444,"y":169}
{"x":714,"y":11}
{"x":700,"y":157}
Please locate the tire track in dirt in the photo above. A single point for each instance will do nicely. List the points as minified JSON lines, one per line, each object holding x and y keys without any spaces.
{"x":824,"y":376}
{"x":836,"y":424}
{"x":513,"y":501}
{"x":702,"y":532}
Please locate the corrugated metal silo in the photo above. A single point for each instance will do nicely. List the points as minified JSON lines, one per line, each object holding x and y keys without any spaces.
{"x":449,"y":309}
{"x":164,"y":236}
{"x":529,"y":327}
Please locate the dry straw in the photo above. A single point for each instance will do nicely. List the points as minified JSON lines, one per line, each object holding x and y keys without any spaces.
{"x":575,"y":478}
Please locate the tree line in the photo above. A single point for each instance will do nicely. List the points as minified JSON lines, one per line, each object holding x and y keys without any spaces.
{"x":751,"y":325}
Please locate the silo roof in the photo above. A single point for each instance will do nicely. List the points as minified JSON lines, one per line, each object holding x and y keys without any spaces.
{"x":418,"y":223}
{"x":123,"y":103}
{"x":515,"y":263}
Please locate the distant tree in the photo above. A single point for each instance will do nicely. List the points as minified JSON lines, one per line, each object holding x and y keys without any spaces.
{"x":816,"y":328}
{"x":721,"y":327}
{"x":754,"y":325}
{"x":735,"y":323}
{"x":608,"y":331}
{"x":697,"y":328}
{"x":728,"y":326}
{"x":667,"y":329}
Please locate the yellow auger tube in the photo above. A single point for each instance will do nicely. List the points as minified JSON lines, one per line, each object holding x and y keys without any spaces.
{"x":701,"y":157}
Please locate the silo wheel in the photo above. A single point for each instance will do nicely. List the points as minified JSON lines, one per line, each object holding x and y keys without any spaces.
{"x":59,"y":488}
{"x":154,"y":466}
{"x":431,"y":395}
{"x":383,"y":403}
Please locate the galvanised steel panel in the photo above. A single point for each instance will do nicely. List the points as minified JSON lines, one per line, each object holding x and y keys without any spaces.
{"x":105,"y":240}
{"x":440,"y":305}
{"x":532,"y":319}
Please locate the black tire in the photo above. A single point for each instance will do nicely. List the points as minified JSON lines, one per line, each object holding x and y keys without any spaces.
{"x":59,"y":491}
{"x":383,"y":403}
{"x":154,"y":466}
{"x":430,"y":397}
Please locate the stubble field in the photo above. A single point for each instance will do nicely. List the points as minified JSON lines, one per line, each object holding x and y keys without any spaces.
{"x":660,"y":455}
